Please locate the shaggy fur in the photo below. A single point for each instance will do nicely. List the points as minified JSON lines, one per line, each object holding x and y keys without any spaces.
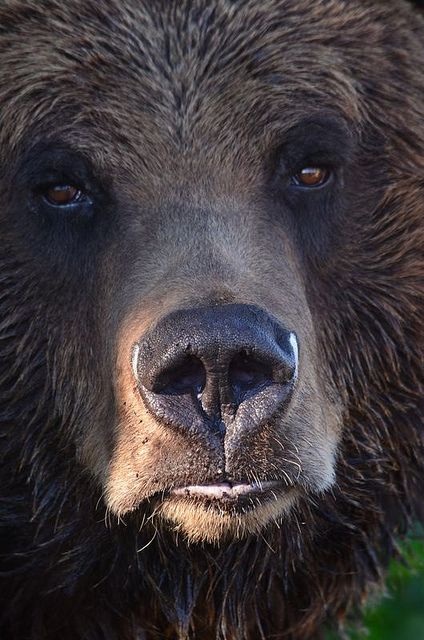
{"x":188,"y":102}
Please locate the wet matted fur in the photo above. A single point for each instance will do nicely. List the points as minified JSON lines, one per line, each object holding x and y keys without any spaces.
{"x":175,"y":114}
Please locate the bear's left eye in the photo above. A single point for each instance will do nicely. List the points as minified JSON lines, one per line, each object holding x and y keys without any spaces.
{"x":311,"y":177}
{"x":62,"y":195}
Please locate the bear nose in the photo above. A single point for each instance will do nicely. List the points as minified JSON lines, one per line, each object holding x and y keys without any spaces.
{"x":198,"y":366}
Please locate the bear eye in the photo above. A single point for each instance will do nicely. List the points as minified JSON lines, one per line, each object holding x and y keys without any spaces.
{"x":311,"y":177}
{"x":62,"y":195}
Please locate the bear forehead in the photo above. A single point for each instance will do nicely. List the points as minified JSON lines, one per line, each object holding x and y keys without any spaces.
{"x":175,"y":65}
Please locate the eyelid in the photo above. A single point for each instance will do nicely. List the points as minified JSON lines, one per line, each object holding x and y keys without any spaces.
{"x":323,"y":159}
{"x":40,"y":189}
{"x":50,"y":178}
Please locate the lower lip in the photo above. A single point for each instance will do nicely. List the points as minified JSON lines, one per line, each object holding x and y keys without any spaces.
{"x":225,"y":491}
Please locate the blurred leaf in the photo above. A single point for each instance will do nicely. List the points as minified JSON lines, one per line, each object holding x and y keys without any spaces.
{"x":399,"y":615}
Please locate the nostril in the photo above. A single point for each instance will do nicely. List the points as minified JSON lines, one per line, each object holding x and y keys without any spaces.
{"x":247,"y":373}
{"x":210,"y":368}
{"x":187,"y":375}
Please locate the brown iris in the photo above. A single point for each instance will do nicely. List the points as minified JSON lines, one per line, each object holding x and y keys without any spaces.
{"x":311,"y":177}
{"x":62,"y":194}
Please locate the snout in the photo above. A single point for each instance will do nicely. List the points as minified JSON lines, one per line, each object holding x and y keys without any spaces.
{"x":207,"y":368}
{"x":220,"y":425}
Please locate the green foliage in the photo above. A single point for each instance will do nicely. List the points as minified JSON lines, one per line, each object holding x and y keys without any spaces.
{"x":399,"y":615}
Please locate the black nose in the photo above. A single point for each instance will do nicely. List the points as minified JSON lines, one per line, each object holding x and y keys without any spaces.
{"x":197,"y":367}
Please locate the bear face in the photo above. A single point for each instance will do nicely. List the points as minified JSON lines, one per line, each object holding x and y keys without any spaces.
{"x":212,"y":264}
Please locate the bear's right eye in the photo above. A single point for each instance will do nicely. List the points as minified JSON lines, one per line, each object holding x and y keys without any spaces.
{"x":62,"y":195}
{"x":311,"y":177}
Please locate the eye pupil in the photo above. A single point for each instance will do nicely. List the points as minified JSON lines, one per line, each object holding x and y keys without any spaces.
{"x":311,"y":176}
{"x":62,"y":194}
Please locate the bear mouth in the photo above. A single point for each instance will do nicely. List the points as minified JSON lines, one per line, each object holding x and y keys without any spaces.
{"x":226,"y":494}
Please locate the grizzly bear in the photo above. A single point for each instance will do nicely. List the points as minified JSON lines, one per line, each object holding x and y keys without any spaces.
{"x":212,"y":314}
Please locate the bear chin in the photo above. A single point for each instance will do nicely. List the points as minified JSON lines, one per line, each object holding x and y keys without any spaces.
{"x":218,"y":521}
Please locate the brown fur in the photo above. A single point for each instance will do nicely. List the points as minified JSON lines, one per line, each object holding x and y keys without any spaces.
{"x":179,"y":112}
